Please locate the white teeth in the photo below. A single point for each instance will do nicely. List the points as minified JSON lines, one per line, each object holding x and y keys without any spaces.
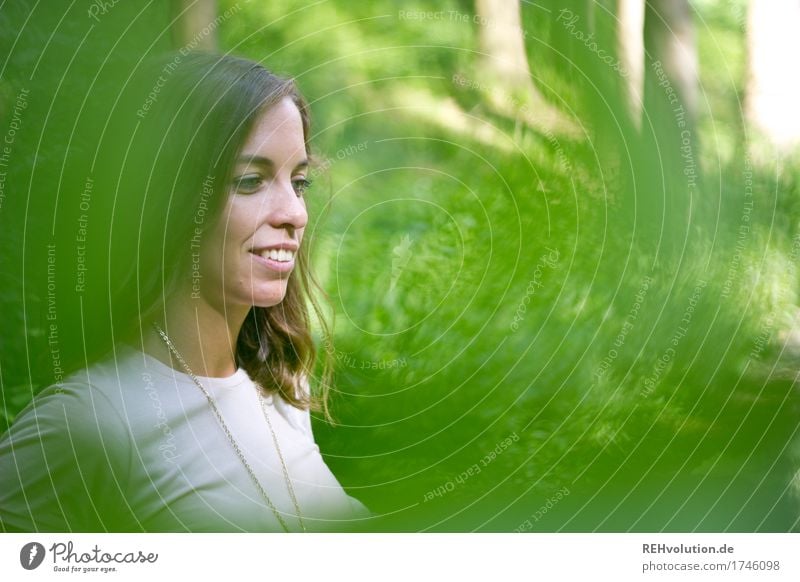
{"x":280,"y":255}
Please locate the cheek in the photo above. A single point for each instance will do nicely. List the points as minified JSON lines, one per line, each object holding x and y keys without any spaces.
{"x":236,"y":228}
{"x":221,"y":244}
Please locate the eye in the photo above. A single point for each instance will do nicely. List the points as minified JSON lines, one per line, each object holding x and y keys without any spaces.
{"x":248,"y":184}
{"x":301,"y":185}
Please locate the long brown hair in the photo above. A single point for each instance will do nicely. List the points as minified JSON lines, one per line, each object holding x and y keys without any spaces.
{"x":193,"y":118}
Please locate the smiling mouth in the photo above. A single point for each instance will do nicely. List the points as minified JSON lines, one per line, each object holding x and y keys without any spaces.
{"x":278,"y":255}
{"x":276,"y":260}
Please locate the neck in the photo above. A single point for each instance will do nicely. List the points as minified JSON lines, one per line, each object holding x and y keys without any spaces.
{"x":204,"y":336}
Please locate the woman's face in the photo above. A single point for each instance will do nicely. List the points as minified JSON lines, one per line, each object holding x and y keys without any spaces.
{"x":248,"y":256}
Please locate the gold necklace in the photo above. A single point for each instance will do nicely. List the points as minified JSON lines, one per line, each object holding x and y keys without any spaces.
{"x":232,"y":440}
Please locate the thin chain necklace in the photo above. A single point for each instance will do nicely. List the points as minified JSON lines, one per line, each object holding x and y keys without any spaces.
{"x":232,"y":440}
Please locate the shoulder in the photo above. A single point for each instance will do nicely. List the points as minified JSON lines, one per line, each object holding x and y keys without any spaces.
{"x":72,"y":408}
{"x":61,"y":459}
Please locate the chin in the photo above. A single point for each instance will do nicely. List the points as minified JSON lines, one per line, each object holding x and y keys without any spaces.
{"x":267,"y":302}
{"x":269,"y":297}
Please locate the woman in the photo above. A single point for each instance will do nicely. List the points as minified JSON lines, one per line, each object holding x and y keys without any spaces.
{"x":198,"y":419}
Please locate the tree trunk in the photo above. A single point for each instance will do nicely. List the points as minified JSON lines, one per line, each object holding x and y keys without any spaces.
{"x":670,"y":40}
{"x":190,"y":28}
{"x":773,"y":85}
{"x":630,"y":47}
{"x":500,"y":38}
{"x":504,"y":71}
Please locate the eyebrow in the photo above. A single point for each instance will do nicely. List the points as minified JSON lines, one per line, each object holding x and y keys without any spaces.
{"x":262,"y":161}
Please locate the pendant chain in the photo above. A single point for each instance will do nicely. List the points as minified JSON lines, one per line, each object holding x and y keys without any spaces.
{"x":232,"y":440}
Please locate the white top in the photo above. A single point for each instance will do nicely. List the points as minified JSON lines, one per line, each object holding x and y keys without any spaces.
{"x":133,"y":445}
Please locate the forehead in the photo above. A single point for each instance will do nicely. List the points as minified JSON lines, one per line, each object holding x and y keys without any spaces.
{"x":277,"y":133}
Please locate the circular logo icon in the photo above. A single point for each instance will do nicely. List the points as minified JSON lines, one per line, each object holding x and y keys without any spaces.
{"x":31,"y":555}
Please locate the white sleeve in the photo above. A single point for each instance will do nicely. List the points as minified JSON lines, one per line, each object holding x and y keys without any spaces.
{"x":64,"y":464}
{"x":359,"y":509}
{"x":303,"y":418}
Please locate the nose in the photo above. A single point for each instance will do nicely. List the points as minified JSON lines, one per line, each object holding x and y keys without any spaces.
{"x":285,"y":209}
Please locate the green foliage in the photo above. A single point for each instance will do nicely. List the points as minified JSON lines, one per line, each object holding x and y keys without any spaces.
{"x":436,"y":240}
{"x":571,"y":297}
